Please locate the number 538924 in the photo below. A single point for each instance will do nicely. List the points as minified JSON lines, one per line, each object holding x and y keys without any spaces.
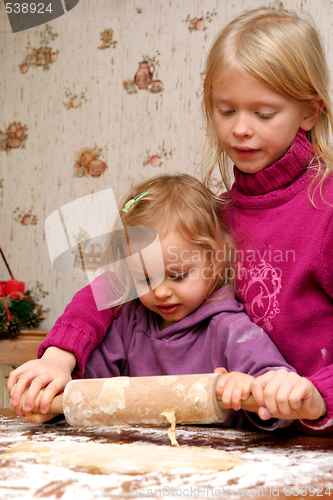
{"x":25,"y":8}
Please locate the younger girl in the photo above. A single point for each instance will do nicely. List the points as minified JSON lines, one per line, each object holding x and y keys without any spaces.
{"x":186,"y":319}
{"x":268,"y":111}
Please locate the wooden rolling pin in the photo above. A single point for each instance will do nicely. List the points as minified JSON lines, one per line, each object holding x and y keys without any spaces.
{"x":142,"y":400}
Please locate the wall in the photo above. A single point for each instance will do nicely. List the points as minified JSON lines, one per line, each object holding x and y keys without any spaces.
{"x":68,"y":102}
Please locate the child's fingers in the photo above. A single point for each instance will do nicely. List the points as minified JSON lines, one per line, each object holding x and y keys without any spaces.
{"x":17,"y":392}
{"x":226,"y":396}
{"x":12,"y":379}
{"x":264,"y":414}
{"x":22,"y":407}
{"x":37,"y":383}
{"x":220,"y":381}
{"x":282,"y":393}
{"x":235,"y":388}
{"x":302,"y":393}
{"x":220,"y":370}
{"x":265,"y":388}
{"x":49,"y":394}
{"x":276,"y":392}
{"x":18,"y":381}
{"x":307,"y":401}
{"x":236,"y":396}
{"x":294,"y":391}
{"x":220,"y":385}
{"x":257,"y":386}
{"x":37,"y":418}
{"x":246,"y":388}
{"x":15,"y":374}
{"x":23,"y":383}
{"x":291,"y":394}
{"x":36,"y":380}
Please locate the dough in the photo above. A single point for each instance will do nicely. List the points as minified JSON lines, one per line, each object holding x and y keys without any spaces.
{"x":123,"y":458}
{"x":170,"y":415}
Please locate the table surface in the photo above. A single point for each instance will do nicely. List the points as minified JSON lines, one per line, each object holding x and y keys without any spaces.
{"x":276,"y":465}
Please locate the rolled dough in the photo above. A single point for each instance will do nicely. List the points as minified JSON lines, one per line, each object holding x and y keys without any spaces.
{"x":123,"y":458}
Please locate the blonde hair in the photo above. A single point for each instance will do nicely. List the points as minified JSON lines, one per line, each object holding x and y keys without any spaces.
{"x":183,"y":204}
{"x":284,"y":52}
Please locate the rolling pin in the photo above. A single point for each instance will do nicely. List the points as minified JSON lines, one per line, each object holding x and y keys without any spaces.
{"x":142,"y":400}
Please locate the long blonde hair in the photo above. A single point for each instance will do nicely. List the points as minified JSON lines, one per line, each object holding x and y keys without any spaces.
{"x":284,"y":52}
{"x":180,"y":203}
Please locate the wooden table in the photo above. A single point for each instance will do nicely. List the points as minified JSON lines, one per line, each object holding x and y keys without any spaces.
{"x":276,"y":465}
{"x":22,"y":348}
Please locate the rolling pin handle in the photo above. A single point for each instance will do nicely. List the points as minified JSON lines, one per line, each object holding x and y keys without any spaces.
{"x":248,"y":404}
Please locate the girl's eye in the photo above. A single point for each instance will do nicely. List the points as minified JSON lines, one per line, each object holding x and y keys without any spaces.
{"x":178,"y":277}
{"x":265,"y":116}
{"x":226,"y":112}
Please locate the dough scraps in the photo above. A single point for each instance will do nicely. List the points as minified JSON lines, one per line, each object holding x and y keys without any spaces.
{"x":123,"y":458}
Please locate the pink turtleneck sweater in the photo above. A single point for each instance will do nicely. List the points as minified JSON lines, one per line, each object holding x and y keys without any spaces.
{"x":285,"y":271}
{"x":285,"y":276}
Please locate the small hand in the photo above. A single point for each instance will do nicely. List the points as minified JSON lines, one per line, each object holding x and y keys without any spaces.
{"x":34,"y":384}
{"x":233,"y":388}
{"x":287,"y":395}
{"x":36,"y":418}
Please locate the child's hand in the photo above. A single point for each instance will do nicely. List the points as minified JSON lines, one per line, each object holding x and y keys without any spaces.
{"x":36,"y":418}
{"x":233,"y":388}
{"x":34,"y":384}
{"x":286,"y":395}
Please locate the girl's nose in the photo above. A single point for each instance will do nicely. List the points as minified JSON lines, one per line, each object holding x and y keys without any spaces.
{"x":242,"y":127}
{"x":162,"y":291}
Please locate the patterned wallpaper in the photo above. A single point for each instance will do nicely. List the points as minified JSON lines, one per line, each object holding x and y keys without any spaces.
{"x":108,"y":93}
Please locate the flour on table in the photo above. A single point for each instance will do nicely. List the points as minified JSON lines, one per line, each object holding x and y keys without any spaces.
{"x":123,"y":458}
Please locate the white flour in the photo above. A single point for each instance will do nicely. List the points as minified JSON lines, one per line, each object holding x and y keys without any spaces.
{"x":266,"y":467}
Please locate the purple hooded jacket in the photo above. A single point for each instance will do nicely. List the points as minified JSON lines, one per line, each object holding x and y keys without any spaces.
{"x":218,"y":334}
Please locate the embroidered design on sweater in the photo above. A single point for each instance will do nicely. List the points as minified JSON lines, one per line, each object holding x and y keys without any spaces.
{"x":258,"y":287}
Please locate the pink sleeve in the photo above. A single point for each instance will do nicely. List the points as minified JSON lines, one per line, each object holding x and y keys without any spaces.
{"x":323,"y":378}
{"x":323,"y":381}
{"x":80,"y":329}
{"x":327,"y":258}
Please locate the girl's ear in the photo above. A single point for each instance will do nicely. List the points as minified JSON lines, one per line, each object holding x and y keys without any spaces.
{"x":311,"y":114}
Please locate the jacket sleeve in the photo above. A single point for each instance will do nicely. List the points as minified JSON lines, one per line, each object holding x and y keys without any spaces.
{"x":80,"y":329}
{"x":248,"y":349}
{"x":109,"y":359}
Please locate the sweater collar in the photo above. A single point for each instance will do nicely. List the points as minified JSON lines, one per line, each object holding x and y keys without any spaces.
{"x":281,"y":173}
{"x":222,"y":300}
